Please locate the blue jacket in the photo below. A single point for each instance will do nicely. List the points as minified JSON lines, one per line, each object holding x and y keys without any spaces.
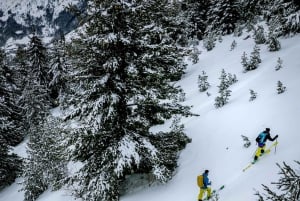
{"x":206,"y":181}
{"x":263,"y":137}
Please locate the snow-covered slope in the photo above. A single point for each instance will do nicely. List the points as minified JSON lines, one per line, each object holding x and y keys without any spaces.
{"x":217,"y":144}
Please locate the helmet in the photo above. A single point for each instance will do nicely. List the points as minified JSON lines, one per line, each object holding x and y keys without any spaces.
{"x":268,"y":129}
{"x":206,"y":171}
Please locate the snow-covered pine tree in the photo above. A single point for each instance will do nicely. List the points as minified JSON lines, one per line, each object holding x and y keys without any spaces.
{"x":196,"y":11}
{"x":238,"y":31}
{"x":233,"y":45}
{"x":246,"y":140}
{"x":35,"y":99}
{"x":250,"y":10}
{"x":223,"y":16}
{"x":280,"y":87}
{"x":209,"y":41}
{"x":255,"y":59}
{"x":224,"y":92}
{"x":224,"y":82}
{"x":180,"y":97}
{"x":231,"y":79}
{"x":57,"y":68}
{"x":36,"y":103}
{"x":45,"y":166}
{"x":279,"y":64}
{"x":10,"y":164}
{"x":203,"y":84}
{"x":37,"y":56}
{"x":245,"y":62}
{"x":21,"y":68}
{"x":194,"y":55}
{"x":223,"y":98}
{"x":123,"y":68}
{"x":11,"y":120}
{"x":182,"y":35}
{"x":253,"y":95}
{"x":259,"y":35}
{"x":273,"y":43}
{"x":288,"y":184}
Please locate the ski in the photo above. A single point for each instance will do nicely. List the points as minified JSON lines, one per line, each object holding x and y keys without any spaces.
{"x":267,"y":151}
{"x":214,"y":192}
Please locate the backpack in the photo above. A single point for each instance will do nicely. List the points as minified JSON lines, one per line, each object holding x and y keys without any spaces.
{"x":200,"y":181}
{"x":261,"y":138}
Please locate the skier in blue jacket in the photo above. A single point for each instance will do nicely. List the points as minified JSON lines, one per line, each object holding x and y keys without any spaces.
{"x":205,"y":187}
{"x":261,"y":141}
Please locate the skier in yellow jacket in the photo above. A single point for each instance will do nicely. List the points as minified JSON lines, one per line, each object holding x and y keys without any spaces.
{"x":203,"y":183}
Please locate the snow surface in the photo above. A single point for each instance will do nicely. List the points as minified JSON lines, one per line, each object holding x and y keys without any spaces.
{"x":217,"y":144}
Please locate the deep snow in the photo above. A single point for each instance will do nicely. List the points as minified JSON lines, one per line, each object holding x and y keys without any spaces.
{"x":217,"y":144}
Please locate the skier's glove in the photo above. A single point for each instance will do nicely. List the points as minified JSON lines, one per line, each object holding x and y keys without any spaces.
{"x":276,"y":136}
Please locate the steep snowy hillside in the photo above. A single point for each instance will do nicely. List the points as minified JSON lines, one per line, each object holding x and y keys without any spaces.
{"x":18,"y":18}
{"x":217,"y":144}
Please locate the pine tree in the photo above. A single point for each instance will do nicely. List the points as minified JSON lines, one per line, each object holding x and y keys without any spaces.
{"x":11,"y":120}
{"x":21,"y":68}
{"x":196,"y":11}
{"x":36,"y":103}
{"x":58,"y":69}
{"x":254,"y":61}
{"x":231,"y":79}
{"x":245,"y":62}
{"x":238,"y":31}
{"x":253,"y":95}
{"x":45,"y":166}
{"x":224,"y":82}
{"x":223,"y":98}
{"x":224,"y":92}
{"x":223,"y":16}
{"x":209,"y":41}
{"x":195,"y":55}
{"x":273,"y":43}
{"x":254,"y":58}
{"x":280,"y":87}
{"x":246,"y":140}
{"x":38,"y":60}
{"x":123,"y":70}
{"x":10,"y":164}
{"x":233,"y":45}
{"x":250,"y":10}
{"x":279,"y":64}
{"x":180,"y":97}
{"x":35,"y":99}
{"x":203,"y":84}
{"x":259,"y":35}
{"x":288,"y":185}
